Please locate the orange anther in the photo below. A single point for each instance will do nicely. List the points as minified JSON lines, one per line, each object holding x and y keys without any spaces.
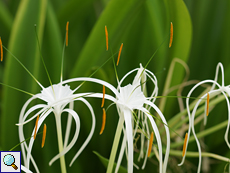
{"x":207,"y":108}
{"x":103,"y":121}
{"x":171,"y":35}
{"x":150,"y":144}
{"x":44,"y":136}
{"x":67,"y":33}
{"x":1,"y":49}
{"x":36,"y":127}
{"x":119,"y":54}
{"x":107,"y":38}
{"x":185,"y":142}
{"x":103,"y":98}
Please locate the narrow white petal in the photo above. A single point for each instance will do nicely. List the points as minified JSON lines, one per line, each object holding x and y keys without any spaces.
{"x":65,"y":150}
{"x":91,"y":131}
{"x":158,"y":138}
{"x":126,"y":75}
{"x":148,"y":133}
{"x":111,"y":87}
{"x":167,"y":133}
{"x":123,"y":145}
{"x":189,"y":114}
{"x":20,"y":130}
{"x":40,"y":121}
{"x":68,"y":125}
{"x":219,"y":66}
{"x":100,"y":95}
{"x":129,"y":133}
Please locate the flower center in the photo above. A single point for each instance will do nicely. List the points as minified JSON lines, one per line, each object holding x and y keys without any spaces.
{"x":131,"y":97}
{"x":56,"y":93}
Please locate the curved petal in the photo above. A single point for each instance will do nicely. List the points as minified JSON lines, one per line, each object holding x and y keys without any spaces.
{"x":88,"y":79}
{"x":227,"y":130}
{"x":33,"y":109}
{"x":20,"y":128}
{"x":123,"y":145}
{"x":65,"y":150}
{"x":24,"y":121}
{"x":22,"y":118}
{"x":166,"y":130}
{"x":154,"y":80}
{"x":193,"y":128}
{"x":189,"y":115}
{"x":68,"y":125}
{"x":91,"y":131}
{"x":100,"y":95}
{"x":219,"y":66}
{"x":40,"y":121}
{"x":126,"y":75}
{"x":24,"y":108}
{"x":159,"y":144}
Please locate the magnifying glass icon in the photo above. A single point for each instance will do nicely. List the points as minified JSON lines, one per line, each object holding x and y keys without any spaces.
{"x":9,"y":160}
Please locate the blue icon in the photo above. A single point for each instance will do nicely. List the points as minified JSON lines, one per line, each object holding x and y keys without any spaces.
{"x":9,"y":160}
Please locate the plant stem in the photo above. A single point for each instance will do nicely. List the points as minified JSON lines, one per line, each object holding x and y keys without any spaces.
{"x":173,"y":121}
{"x":115,"y":144}
{"x":202,"y":134}
{"x":203,"y":154}
{"x":60,"y":142}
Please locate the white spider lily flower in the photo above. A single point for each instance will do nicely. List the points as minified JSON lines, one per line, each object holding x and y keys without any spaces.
{"x":128,"y":99}
{"x":56,"y":97}
{"x":221,"y":88}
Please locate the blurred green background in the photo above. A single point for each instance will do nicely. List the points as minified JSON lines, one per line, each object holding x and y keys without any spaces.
{"x":201,"y":39}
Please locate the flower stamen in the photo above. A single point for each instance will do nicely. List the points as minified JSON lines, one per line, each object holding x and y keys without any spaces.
{"x":119,"y":54}
{"x":36,"y":127}
{"x":44,"y":136}
{"x":107,"y":38}
{"x":207,"y":108}
{"x":67,"y":33}
{"x":171,"y":35}
{"x":103,"y":121}
{"x":1,"y":49}
{"x":103,"y":98}
{"x":184,"y":146}
{"x":150,"y":144}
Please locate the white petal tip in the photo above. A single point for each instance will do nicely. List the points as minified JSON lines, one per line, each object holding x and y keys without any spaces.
{"x":180,"y":164}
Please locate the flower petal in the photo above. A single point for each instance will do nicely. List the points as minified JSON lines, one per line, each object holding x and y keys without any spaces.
{"x":91,"y":131}
{"x":129,"y":134}
{"x":66,"y":149}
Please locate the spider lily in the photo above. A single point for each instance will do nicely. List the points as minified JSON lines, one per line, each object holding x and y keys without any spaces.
{"x":221,"y":88}
{"x":57,"y":98}
{"x":128,"y":99}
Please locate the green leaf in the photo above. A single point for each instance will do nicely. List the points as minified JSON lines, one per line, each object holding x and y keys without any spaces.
{"x":118,"y":15}
{"x":6,"y":21}
{"x":106,"y":161}
{"x":28,"y":14}
{"x":24,"y":45}
{"x":182,"y":37}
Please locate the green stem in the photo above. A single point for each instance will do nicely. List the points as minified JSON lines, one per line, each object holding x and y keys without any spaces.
{"x":115,"y":144}
{"x":202,"y":134}
{"x":185,"y":120}
{"x":60,"y":142}
{"x":196,"y":154}
{"x":177,"y":118}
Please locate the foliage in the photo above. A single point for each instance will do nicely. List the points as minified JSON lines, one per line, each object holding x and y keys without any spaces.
{"x":201,"y":39}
